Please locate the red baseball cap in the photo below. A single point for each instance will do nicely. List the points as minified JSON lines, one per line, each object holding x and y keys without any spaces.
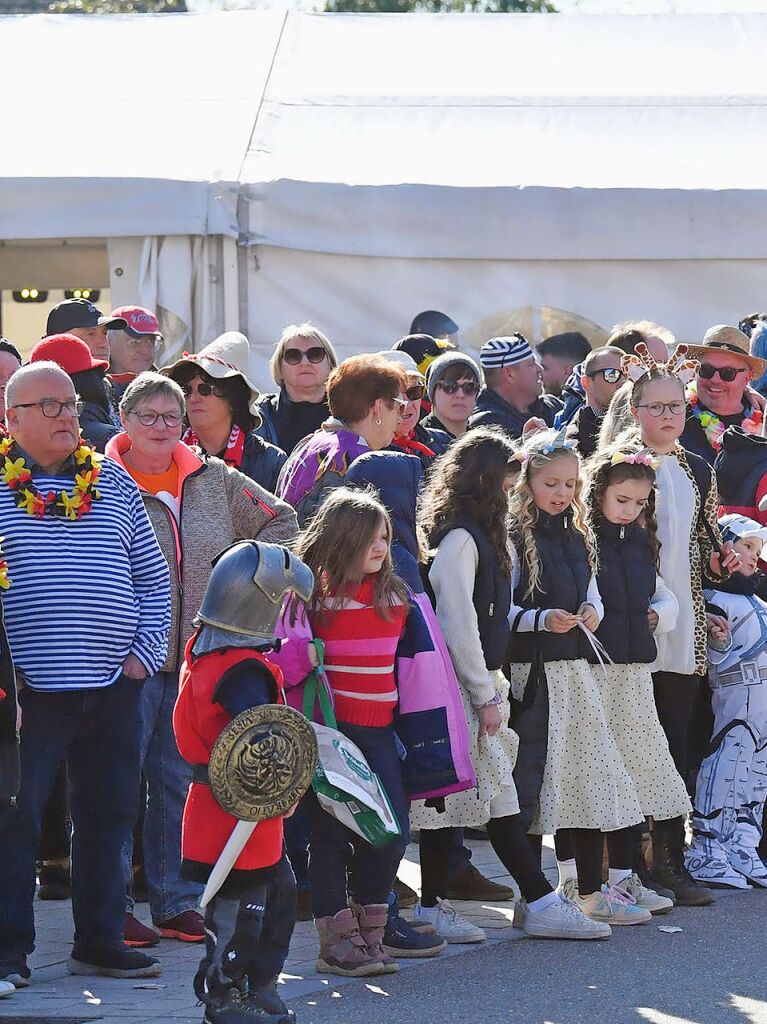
{"x":141,"y":322}
{"x":68,"y":352}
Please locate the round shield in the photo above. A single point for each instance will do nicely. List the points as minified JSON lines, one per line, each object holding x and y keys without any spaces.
{"x":263,"y":762}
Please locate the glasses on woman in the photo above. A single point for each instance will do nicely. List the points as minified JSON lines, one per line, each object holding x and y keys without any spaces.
{"x":415,"y":392}
{"x":401,"y":403}
{"x":203,"y":388}
{"x":658,"y":408}
{"x":452,"y":387}
{"x":148,"y":419}
{"x":293,"y":356}
{"x":609,"y":375}
{"x":727,"y":373}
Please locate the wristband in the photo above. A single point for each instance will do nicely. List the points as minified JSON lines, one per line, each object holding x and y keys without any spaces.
{"x":497,"y":699}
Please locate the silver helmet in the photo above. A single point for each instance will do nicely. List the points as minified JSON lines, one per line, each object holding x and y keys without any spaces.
{"x":247,"y":586}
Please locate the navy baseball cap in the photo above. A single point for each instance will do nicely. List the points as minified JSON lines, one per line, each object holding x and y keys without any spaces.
{"x":74,"y":313}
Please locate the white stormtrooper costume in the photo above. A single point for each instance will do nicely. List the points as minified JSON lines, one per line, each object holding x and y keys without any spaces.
{"x":732,"y":783}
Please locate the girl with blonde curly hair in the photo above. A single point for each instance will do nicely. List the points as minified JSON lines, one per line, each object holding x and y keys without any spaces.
{"x":569,"y":772}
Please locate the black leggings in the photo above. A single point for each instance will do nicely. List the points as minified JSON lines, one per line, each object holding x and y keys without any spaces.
{"x":587,"y":845}
{"x":510,"y":842}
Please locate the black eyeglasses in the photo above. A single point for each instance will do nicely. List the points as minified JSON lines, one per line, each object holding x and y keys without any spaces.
{"x":204,"y":389}
{"x":148,"y":419}
{"x":610,"y":375}
{"x":452,"y":387}
{"x":415,"y":392}
{"x":658,"y":408}
{"x":727,"y":373}
{"x":293,"y":356}
{"x":51,"y":409}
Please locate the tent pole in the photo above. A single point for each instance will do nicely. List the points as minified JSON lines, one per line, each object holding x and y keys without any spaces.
{"x":231,"y":285}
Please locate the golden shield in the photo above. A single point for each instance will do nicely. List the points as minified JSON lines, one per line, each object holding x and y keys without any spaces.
{"x":263,"y":762}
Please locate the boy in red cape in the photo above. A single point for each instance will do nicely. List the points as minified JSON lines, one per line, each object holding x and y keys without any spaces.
{"x":249,"y":922}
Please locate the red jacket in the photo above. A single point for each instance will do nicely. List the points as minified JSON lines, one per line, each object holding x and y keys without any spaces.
{"x":197,"y":722}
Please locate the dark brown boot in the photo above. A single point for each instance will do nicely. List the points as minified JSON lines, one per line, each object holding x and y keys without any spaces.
{"x":668,"y":868}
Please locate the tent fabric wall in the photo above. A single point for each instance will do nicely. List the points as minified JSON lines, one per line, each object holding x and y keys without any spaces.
{"x":366,"y":303}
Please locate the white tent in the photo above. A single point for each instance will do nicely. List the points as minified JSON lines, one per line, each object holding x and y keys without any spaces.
{"x":255,"y":168}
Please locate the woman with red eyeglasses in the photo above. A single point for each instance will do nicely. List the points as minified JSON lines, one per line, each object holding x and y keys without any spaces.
{"x":300,"y":365}
{"x":453,"y":382}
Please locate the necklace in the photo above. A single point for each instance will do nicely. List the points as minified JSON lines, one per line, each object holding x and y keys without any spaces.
{"x":713,"y":427}
{"x":72,"y":504}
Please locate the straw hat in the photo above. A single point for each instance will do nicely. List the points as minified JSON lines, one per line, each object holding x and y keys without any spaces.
{"x":227,"y":356}
{"x":722,"y":338}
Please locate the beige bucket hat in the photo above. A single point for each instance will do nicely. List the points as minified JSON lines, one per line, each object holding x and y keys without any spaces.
{"x":227,"y":356}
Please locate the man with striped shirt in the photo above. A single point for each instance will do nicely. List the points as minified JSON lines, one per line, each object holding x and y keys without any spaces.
{"x":87,"y":614}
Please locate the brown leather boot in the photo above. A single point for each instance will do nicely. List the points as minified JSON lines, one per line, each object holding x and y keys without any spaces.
{"x":372,"y":921}
{"x":342,"y":948}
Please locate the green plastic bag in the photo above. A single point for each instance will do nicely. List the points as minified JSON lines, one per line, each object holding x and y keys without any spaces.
{"x":346,"y":787}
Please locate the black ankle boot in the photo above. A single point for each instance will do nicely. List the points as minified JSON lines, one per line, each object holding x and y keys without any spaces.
{"x":668,"y":865}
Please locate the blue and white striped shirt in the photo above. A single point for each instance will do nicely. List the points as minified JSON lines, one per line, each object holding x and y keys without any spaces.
{"x":87,"y":593}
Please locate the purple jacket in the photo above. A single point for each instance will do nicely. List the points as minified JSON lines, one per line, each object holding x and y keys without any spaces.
{"x":429,"y":720}
{"x":317,"y":465}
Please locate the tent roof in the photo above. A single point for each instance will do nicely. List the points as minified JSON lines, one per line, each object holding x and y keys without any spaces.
{"x":431,"y":135}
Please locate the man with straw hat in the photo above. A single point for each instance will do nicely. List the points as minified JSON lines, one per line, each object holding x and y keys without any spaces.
{"x":719,"y":397}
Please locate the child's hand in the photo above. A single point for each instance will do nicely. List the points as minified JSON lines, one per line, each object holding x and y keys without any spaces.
{"x":314,"y":658}
{"x":588,"y":615}
{"x":559,"y":621}
{"x":652,"y":619}
{"x":489,"y":720}
{"x":728,"y":561}
{"x":718,"y":628}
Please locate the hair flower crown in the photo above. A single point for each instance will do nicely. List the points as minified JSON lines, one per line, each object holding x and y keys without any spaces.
{"x":641,"y":363}
{"x":643,"y":458}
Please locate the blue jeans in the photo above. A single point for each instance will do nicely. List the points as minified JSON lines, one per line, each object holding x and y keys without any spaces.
{"x":335,"y":851}
{"x":168,"y":777}
{"x":97,"y":731}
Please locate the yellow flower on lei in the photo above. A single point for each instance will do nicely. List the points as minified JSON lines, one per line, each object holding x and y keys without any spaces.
{"x":70,"y":504}
{"x":5,"y":581}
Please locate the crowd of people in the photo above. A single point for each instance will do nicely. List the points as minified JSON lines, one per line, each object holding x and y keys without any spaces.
{"x":534,"y":598}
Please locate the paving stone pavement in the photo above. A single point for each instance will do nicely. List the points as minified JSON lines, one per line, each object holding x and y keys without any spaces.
{"x":56,"y":996}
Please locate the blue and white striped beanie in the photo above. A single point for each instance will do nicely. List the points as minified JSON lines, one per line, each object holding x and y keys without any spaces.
{"x":499,"y":352}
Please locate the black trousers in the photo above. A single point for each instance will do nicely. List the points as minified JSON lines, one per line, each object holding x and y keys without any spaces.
{"x":676,"y":699}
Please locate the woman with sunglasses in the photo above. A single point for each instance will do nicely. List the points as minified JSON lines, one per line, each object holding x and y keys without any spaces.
{"x":366,"y":398}
{"x":222,"y":408}
{"x":453,"y":381}
{"x":197,"y":507}
{"x":720,"y":395}
{"x":412,"y":436}
{"x":601,"y":377}
{"x":301,"y":364}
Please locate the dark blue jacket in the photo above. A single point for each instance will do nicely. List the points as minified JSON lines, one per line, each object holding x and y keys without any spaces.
{"x":564,"y":579}
{"x":262,"y":461}
{"x":626,"y":581}
{"x":397,"y":478}
{"x":494,"y":411}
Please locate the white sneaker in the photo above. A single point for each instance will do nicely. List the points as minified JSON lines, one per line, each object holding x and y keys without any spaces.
{"x":613,"y":907}
{"x":449,"y":925}
{"x":563,"y":920}
{"x":632,"y":887}
{"x":7,"y":988}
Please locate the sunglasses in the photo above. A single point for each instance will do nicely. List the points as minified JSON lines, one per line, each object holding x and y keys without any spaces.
{"x":415,"y":392}
{"x":727,"y":373}
{"x":401,"y":403}
{"x":466,"y":387}
{"x":293,"y":356}
{"x":609,"y":375}
{"x":203,"y":388}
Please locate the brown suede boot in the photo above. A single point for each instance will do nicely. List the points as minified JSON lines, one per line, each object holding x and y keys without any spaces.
{"x":342,"y":948}
{"x":372,"y":921}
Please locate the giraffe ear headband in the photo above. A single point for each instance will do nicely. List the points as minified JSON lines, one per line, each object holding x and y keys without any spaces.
{"x":642,"y":363}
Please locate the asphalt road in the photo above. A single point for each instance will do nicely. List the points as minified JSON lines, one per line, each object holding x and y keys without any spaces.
{"x":712,"y":972}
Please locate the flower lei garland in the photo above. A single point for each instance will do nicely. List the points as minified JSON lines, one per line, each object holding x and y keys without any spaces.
{"x":5,"y":580}
{"x":60,"y":504}
{"x":713,"y":427}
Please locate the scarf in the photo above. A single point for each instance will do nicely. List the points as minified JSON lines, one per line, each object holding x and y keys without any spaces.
{"x":235,"y":446}
{"x":407,"y":444}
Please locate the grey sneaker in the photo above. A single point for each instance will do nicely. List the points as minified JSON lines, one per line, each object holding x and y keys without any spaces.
{"x":563,"y":920}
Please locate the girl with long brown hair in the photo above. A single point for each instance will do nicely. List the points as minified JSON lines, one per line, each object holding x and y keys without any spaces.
{"x":569,"y":771}
{"x":464,"y":520}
